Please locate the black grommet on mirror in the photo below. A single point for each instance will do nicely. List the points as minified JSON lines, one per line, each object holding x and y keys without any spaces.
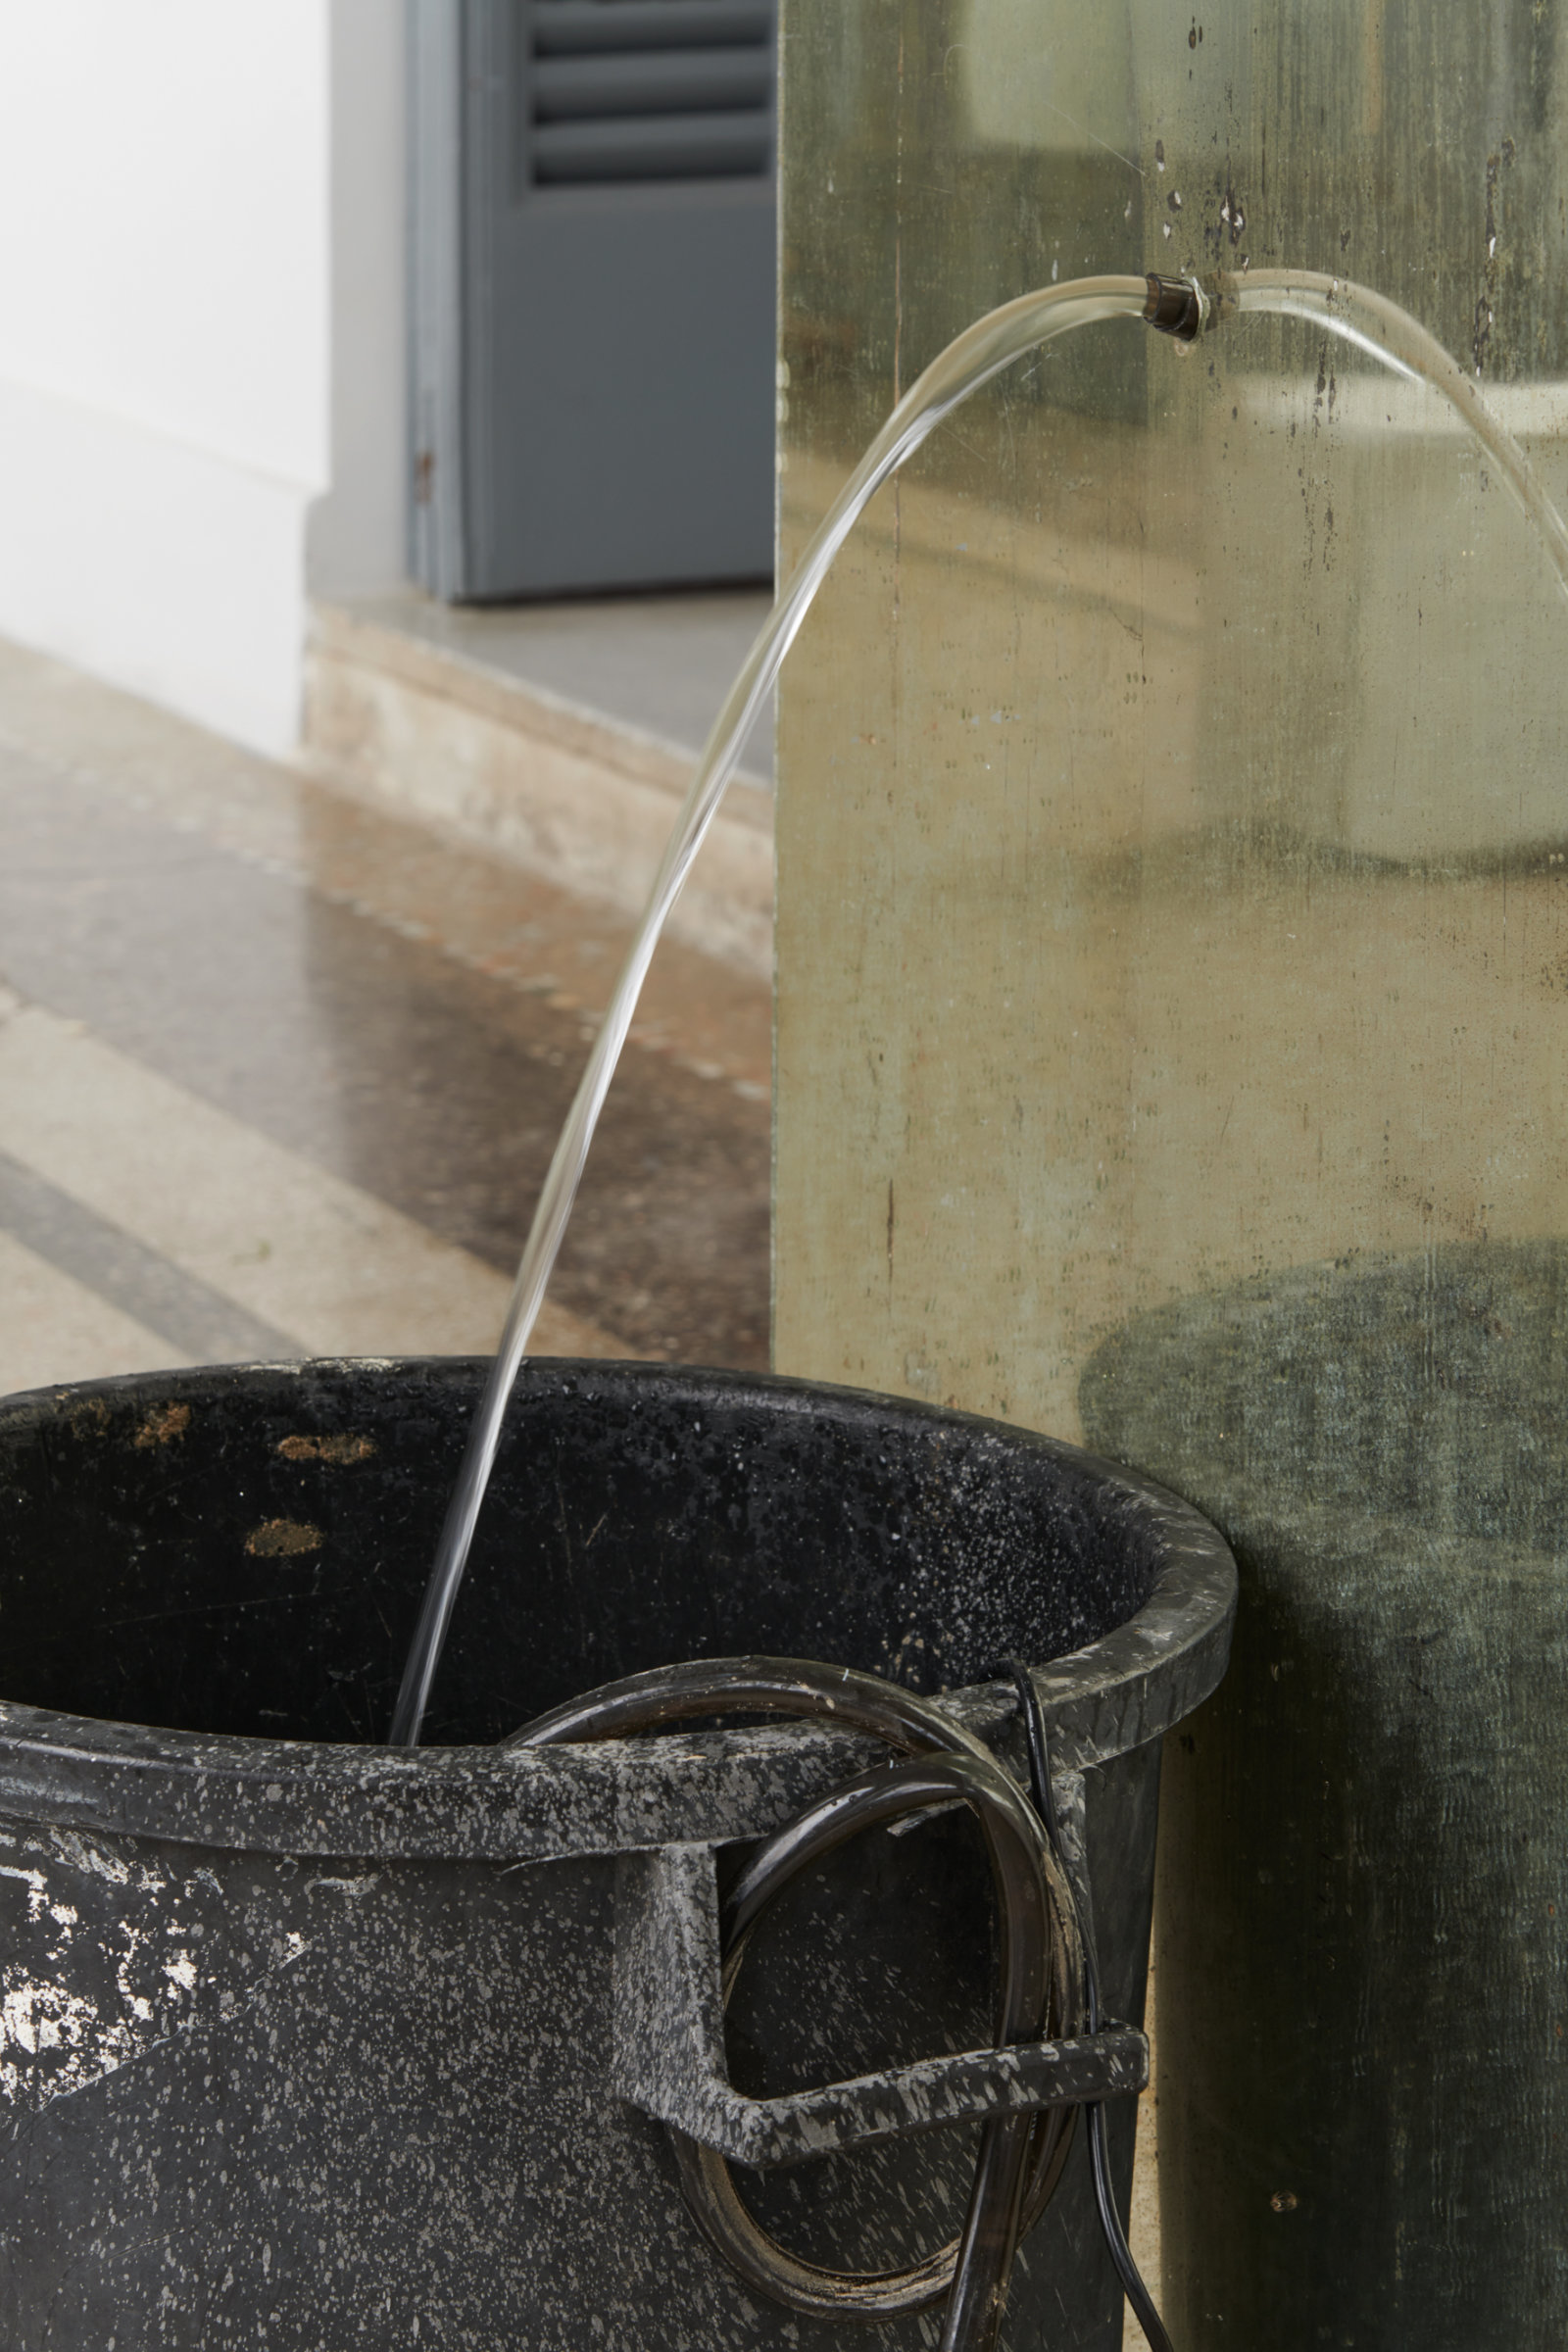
{"x":1175,"y":306}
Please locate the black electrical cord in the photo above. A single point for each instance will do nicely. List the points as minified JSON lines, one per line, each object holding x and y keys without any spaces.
{"x":1042,"y":1980}
{"x":1127,"y":2271}
{"x":1049,"y":1979}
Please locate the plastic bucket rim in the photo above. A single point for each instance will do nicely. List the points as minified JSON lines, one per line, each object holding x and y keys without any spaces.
{"x":482,"y":1802}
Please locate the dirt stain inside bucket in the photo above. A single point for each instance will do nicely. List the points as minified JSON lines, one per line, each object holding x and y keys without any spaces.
{"x":338,"y":1450}
{"x":162,"y":1425}
{"x":277,"y":1539}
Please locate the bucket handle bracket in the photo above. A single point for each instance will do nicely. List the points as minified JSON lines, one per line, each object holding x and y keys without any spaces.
{"x":669,"y":2042}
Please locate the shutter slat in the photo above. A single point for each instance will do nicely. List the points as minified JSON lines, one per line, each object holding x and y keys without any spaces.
{"x":585,"y":27}
{"x":710,"y":146}
{"x":680,"y":82}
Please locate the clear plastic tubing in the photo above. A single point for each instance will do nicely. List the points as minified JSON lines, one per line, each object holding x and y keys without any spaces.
{"x":1350,"y":312}
{"x":1372,"y":324}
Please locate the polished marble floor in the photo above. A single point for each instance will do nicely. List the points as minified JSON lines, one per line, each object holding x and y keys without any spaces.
{"x":281,"y":1075}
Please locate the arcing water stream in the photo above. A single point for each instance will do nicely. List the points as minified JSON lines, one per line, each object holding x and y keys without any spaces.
{"x":1349,"y":313}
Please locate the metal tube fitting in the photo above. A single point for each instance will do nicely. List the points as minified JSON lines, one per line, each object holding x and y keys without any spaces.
{"x":1177,"y":306}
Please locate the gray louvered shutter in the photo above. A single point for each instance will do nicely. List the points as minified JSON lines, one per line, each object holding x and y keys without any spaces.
{"x":650,"y":89}
{"x":594,"y":404}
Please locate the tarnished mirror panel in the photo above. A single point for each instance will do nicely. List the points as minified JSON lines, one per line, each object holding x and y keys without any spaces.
{"x":1173,"y":997}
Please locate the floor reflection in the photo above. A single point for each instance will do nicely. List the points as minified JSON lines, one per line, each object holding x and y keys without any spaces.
{"x":246,"y":1016}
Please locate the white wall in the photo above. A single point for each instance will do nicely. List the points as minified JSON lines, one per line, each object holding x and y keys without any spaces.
{"x":169,"y":214}
{"x":359,"y":530}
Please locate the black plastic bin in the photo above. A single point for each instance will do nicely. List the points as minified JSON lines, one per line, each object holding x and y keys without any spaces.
{"x":1364,"y":1938}
{"x":310,"y":2041}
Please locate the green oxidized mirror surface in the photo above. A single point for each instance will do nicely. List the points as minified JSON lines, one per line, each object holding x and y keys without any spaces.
{"x":1173,"y":1003}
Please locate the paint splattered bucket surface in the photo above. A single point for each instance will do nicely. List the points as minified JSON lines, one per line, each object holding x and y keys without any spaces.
{"x":308,"y":2040}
